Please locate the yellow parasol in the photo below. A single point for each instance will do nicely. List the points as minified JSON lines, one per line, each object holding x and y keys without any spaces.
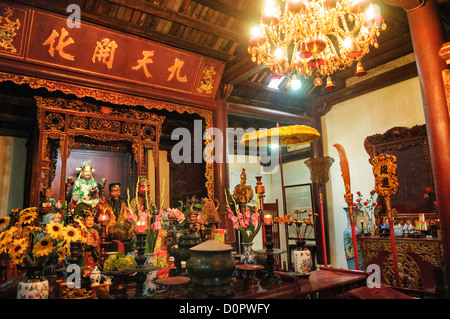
{"x":283,"y":136}
{"x":287,"y":135}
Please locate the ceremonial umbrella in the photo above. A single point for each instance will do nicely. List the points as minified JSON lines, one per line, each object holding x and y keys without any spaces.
{"x":291,"y":135}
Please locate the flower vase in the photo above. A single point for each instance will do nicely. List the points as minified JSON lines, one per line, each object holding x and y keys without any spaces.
{"x":348,"y":245}
{"x":247,"y":256}
{"x":302,"y":258}
{"x":35,"y":286}
{"x":149,"y":284}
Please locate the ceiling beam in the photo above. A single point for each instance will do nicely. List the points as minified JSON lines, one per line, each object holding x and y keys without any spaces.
{"x":264,"y":113}
{"x":170,"y":15}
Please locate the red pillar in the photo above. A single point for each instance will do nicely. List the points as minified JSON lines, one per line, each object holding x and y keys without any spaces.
{"x":220,"y":118}
{"x":427,"y":38}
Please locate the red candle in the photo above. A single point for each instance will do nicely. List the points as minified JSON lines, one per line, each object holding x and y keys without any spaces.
{"x":103,"y":218}
{"x":141,"y":227}
{"x":268,"y":220}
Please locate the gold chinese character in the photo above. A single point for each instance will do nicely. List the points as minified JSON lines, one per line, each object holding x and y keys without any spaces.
{"x":62,"y":43}
{"x":142,"y":63}
{"x":104,"y":52}
{"x":175,"y":70}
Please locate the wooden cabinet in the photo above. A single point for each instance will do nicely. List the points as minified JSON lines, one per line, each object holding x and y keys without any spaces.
{"x":417,"y":259}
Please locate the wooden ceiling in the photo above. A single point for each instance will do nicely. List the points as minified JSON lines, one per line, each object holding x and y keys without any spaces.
{"x":220,"y":29}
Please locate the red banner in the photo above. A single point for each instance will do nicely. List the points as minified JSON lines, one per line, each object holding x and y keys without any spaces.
{"x":104,"y":53}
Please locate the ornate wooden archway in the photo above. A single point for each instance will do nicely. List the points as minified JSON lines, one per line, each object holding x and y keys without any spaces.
{"x":64,"y":120}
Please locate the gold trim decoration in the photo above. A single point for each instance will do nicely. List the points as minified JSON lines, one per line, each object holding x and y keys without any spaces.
{"x":385,"y":173}
{"x":54,"y":121}
{"x":408,"y":269}
{"x":206,"y":85}
{"x":8,"y":30}
{"x":446,"y":79}
{"x":121,"y":99}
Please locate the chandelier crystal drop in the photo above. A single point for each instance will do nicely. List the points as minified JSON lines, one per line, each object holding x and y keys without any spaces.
{"x":315,"y":38}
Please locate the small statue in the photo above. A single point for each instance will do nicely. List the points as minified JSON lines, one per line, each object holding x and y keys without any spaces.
{"x":91,"y":241}
{"x":104,"y":209}
{"x":118,"y":230}
{"x":47,"y":204}
{"x":117,"y":204}
{"x":85,"y":188}
{"x":143,"y":199}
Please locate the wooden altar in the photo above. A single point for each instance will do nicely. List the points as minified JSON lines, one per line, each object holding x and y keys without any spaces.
{"x":417,"y":259}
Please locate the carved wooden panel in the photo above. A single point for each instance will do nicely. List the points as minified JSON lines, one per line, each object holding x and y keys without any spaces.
{"x":410,"y":146}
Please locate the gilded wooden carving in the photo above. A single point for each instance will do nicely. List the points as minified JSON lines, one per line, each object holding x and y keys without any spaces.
{"x":121,"y":99}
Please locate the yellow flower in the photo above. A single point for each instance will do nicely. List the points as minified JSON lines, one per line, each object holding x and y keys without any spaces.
{"x":30,"y":228}
{"x":28,"y":215}
{"x":17,"y":259}
{"x":4,"y":221}
{"x":71,"y":233}
{"x":63,"y":252}
{"x":18,"y":247}
{"x":43,"y":247}
{"x":5,"y":241}
{"x":54,"y":230}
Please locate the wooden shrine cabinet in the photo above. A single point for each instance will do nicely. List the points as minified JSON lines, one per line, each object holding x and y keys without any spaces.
{"x":66,"y":124}
{"x":417,"y":259}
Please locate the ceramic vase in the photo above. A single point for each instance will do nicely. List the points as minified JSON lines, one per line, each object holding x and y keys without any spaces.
{"x":34,"y":286}
{"x":149,"y":284}
{"x":302,"y":258}
{"x":247,"y":256}
{"x":348,"y":245}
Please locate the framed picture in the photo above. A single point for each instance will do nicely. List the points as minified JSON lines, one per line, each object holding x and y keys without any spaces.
{"x":298,"y":198}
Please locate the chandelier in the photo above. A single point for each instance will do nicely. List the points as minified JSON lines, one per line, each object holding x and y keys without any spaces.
{"x":315,"y":38}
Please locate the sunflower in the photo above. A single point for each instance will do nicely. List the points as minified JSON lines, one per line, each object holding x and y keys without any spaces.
{"x":31,"y":229}
{"x":54,"y":230}
{"x":5,"y":240}
{"x":71,"y":233}
{"x":43,"y":247}
{"x":63,"y":252}
{"x":4,"y":222}
{"x":28,"y":215}
{"x":18,"y":248}
{"x":17,"y":259}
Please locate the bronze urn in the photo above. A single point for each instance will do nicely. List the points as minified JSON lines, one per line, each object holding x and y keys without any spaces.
{"x":211,"y":267}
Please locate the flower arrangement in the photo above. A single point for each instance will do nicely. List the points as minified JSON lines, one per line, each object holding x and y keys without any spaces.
{"x":244,"y":219}
{"x":29,"y":244}
{"x":302,"y":233}
{"x":148,"y":219}
{"x":367,"y":207}
{"x":431,"y":196}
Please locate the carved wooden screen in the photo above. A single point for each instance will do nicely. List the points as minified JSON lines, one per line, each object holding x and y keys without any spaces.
{"x":410,"y":146}
{"x":62,"y":121}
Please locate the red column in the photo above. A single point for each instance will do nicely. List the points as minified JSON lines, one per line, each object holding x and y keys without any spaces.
{"x":221,"y":170}
{"x":427,"y":38}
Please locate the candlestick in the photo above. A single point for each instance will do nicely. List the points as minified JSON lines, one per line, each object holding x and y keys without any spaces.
{"x":362,"y":227}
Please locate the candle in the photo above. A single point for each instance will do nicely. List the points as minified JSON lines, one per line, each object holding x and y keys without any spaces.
{"x":141,"y":227}
{"x":268,"y":220}
{"x":103,"y":218}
